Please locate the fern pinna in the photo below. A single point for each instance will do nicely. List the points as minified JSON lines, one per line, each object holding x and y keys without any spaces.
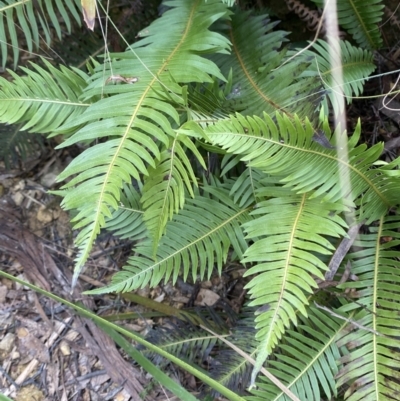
{"x":209,"y":82}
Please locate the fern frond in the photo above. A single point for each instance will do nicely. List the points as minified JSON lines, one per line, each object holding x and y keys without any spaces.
{"x":191,"y":245}
{"x":227,"y":366}
{"x":245,"y":186}
{"x":286,"y":149}
{"x":127,"y":221}
{"x":164,"y":189}
{"x":360,"y":20}
{"x":184,"y":340}
{"x":288,"y":233}
{"x":27,"y":16}
{"x":17,"y":145}
{"x":138,"y":118}
{"x":357,"y":65}
{"x":371,"y":363}
{"x":258,"y":84}
{"x":43,"y":99}
{"x":305,"y":360}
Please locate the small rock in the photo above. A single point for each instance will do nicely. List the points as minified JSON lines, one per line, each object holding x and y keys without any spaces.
{"x":206,"y":297}
{"x":7,"y":343}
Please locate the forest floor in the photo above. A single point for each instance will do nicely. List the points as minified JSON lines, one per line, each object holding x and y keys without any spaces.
{"x":47,"y":351}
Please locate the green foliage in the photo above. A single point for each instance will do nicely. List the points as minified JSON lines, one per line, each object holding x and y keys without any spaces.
{"x":43,"y":98}
{"x":376,"y":264}
{"x":36,"y":20}
{"x":305,"y":360}
{"x":355,"y":62}
{"x":360,"y":19}
{"x":16,"y":145}
{"x":191,"y":246}
{"x":286,"y":256}
{"x":204,"y":146}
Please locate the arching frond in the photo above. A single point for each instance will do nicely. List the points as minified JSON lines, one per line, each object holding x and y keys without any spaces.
{"x":37,"y":20}
{"x":286,"y":257}
{"x":259,"y":82}
{"x":191,"y":246}
{"x":42,"y":99}
{"x":287,"y":149}
{"x":357,"y":65}
{"x":360,"y":19}
{"x":372,"y":360}
{"x":138,"y":117}
{"x":305,"y":361}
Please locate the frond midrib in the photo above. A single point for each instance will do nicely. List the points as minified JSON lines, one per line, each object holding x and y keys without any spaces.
{"x":375,"y":302}
{"x":44,"y":101}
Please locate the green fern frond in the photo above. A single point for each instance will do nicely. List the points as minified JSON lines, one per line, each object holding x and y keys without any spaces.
{"x":185,"y":341}
{"x":245,"y":186}
{"x":286,"y":258}
{"x":287,"y":149}
{"x":305,"y":361}
{"x":138,"y":118}
{"x":371,"y":363}
{"x":357,"y":65}
{"x":26,"y":17}
{"x":164,"y":189}
{"x":191,"y":245}
{"x":17,"y":145}
{"x":227,"y":366}
{"x":43,"y":99}
{"x":127,"y":221}
{"x":260,"y":84}
{"x":360,"y":19}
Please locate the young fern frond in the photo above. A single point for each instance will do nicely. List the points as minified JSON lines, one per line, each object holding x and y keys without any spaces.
{"x":286,"y":257}
{"x":37,"y":20}
{"x":371,"y":362}
{"x":191,"y":246}
{"x":305,"y":361}
{"x":360,"y":20}
{"x":286,"y":149}
{"x":43,"y":99}
{"x":137,"y":117}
